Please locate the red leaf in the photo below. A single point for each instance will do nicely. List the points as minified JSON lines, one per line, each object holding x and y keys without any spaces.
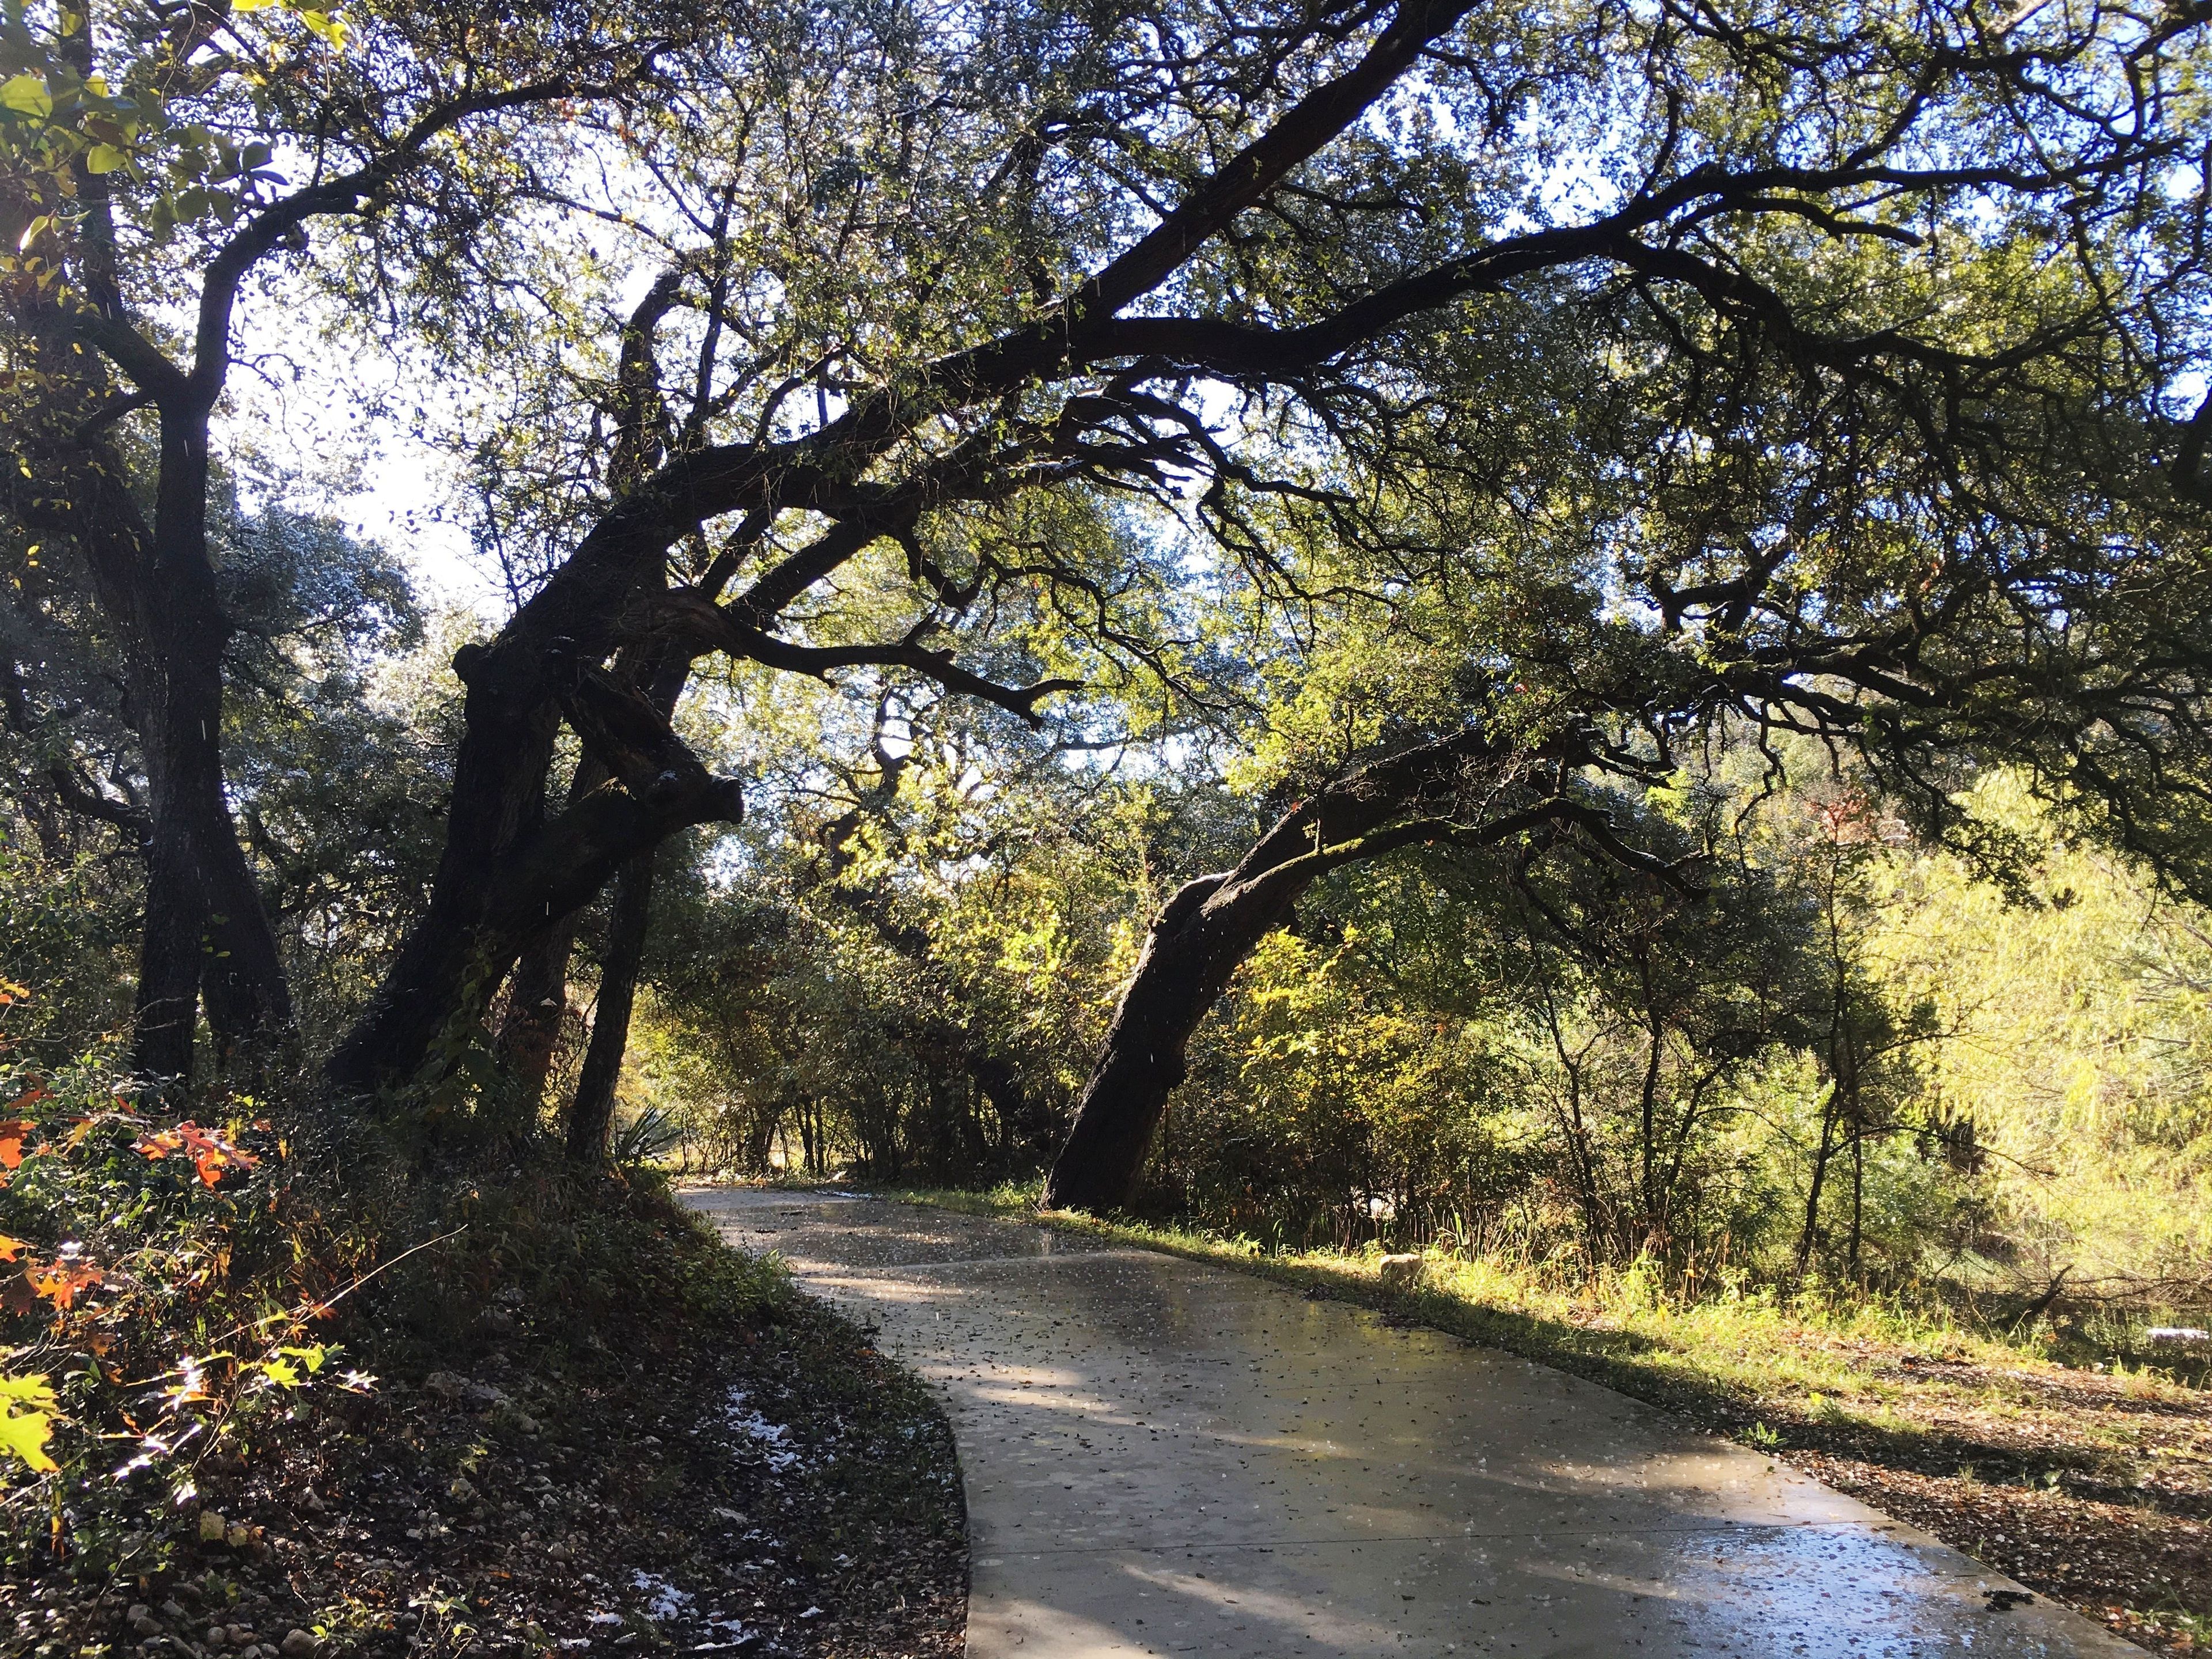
{"x":210,"y":1153}
{"x":59,"y":1282}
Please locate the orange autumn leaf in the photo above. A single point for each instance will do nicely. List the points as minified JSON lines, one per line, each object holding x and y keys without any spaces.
{"x":59,"y":1281}
{"x":12,"y":1135}
{"x":211,"y":1154}
{"x":10,"y":1247}
{"x":155,"y":1147}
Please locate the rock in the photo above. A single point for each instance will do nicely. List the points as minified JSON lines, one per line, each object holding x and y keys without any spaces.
{"x":313,"y":1502}
{"x":241,"y":1636}
{"x":137,"y":1611}
{"x":298,"y":1644}
{"x":214,"y":1637}
{"x":145,"y":1625}
{"x":461,"y":1491}
{"x":172,"y":1609}
{"x":213,"y":1528}
{"x":558,"y":1551}
{"x":445,"y":1384}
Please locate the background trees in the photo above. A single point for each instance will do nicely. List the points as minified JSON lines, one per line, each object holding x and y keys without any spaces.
{"x":997,"y":502}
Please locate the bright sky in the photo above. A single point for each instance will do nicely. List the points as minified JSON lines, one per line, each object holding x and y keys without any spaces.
{"x":381,"y":483}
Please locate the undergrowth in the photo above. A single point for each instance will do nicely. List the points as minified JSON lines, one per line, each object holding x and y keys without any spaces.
{"x":189,"y":1289}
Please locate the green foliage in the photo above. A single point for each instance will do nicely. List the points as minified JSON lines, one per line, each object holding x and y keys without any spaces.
{"x":2073,"y":1074}
{"x":66,"y":930}
{"x":164,"y":1282}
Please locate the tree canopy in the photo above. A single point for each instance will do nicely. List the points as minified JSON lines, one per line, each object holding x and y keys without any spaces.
{"x":1528,"y":440}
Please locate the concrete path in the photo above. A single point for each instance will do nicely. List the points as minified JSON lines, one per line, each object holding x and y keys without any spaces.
{"x":1164,"y":1458}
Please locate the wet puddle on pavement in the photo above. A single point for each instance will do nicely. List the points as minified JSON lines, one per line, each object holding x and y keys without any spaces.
{"x":1164,"y":1457}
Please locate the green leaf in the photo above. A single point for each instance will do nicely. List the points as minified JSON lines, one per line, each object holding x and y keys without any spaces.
{"x":27,"y":94}
{"x":104,"y":158}
{"x":24,"y":1434}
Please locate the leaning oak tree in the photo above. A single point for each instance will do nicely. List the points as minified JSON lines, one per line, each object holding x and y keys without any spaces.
{"x":155,"y":163}
{"x":1913,"y":485}
{"x":1869,"y":322}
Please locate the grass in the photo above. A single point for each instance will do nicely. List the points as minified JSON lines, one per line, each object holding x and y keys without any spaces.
{"x":2089,"y":1481}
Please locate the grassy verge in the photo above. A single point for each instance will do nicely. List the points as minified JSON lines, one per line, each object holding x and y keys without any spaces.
{"x":2089,"y":1481}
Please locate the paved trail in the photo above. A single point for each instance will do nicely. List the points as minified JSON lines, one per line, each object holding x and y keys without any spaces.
{"x":1164,"y":1458}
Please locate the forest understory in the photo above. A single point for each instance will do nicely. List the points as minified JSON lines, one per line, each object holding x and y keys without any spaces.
{"x":716,"y":1463}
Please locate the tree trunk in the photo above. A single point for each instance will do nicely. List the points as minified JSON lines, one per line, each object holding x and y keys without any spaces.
{"x":1212,"y":924}
{"x":594,"y":1109}
{"x":538,"y":992}
{"x":1188,"y":959}
{"x":1809,"y":1238}
{"x":1468,"y":788}
{"x":205,"y":921}
{"x":505,"y":872}
{"x":537,"y":1004}
{"x":206,"y":930}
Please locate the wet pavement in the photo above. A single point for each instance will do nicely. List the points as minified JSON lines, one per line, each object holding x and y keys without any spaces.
{"x":1162,"y":1457}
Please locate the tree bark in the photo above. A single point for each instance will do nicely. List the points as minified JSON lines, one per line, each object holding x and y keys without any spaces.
{"x":1188,"y":959}
{"x":506,"y":874}
{"x":538,"y":991}
{"x":594,"y":1109}
{"x":537,"y":1004}
{"x":1212,"y":925}
{"x":207,"y":932}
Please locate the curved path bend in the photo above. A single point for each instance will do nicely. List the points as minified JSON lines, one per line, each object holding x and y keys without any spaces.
{"x":1162,"y":1457}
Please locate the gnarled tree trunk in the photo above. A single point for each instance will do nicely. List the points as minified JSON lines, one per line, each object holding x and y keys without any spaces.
{"x":537,"y":1004}
{"x":207,"y":933}
{"x":594,"y":1109}
{"x":1211,"y":924}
